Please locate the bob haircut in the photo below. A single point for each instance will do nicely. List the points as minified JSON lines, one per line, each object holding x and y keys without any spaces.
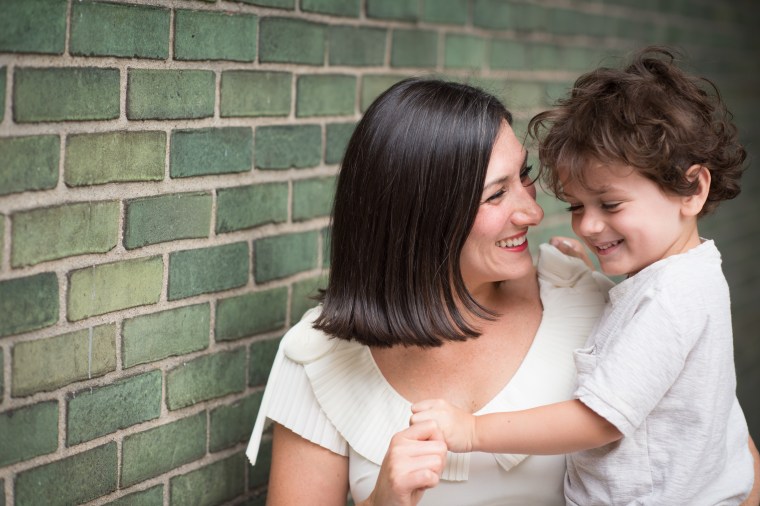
{"x":407,"y":194}
{"x":650,"y":115}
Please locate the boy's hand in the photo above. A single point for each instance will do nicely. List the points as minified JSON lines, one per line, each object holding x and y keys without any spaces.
{"x":457,"y":425}
{"x":572,"y":248}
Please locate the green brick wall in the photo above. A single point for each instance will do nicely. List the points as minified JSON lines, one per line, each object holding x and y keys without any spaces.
{"x":166,"y":179}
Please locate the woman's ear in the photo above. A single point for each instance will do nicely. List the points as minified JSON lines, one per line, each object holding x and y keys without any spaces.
{"x":691,"y":205}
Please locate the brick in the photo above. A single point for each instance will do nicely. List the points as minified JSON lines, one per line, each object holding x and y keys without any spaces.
{"x":65,"y":94}
{"x":57,"y":232}
{"x":414,"y":48}
{"x":205,"y":151}
{"x":325,"y":95}
{"x":29,"y":163}
{"x":288,"y":146}
{"x":105,"y":29}
{"x":110,"y":287}
{"x":3,"y":78}
{"x":28,"y":432}
{"x":283,"y":255}
{"x":291,"y":41}
{"x":152,"y":220}
{"x":347,"y":8}
{"x":278,"y":4}
{"x":262,"y":356}
{"x":206,"y":377}
{"x":357,"y":46}
{"x":581,"y":59}
{"x":373,"y":86}
{"x":230,"y":425}
{"x":248,"y":93}
{"x":95,"y":412}
{"x":312,"y":198}
{"x":213,"y":484}
{"x":207,"y":35}
{"x":404,"y":10}
{"x":2,"y":379}
{"x":325,"y":238}
{"x":545,"y":56}
{"x":509,"y":55}
{"x":251,"y":314}
{"x":45,"y":365}
{"x":145,"y":455}
{"x":170,"y":94}
{"x":152,"y":497}
{"x":259,"y":475}
{"x":206,"y":270}
{"x":464,"y":51}
{"x":337,"y":137}
{"x":33,"y":27}
{"x":73,"y":480}
{"x":28,"y":303}
{"x":303,"y":295}
{"x":164,"y":334}
{"x":2,"y":496}
{"x":245,"y":207}
{"x":453,"y":12}
{"x":114,"y":157}
{"x":523,"y":95}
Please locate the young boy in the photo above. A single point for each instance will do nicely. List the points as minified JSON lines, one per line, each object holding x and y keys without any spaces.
{"x":639,"y":154}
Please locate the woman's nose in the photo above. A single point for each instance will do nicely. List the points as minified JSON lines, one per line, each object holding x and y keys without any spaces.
{"x":529,"y":212}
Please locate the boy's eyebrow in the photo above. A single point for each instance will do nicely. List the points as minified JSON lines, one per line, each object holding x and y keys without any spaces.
{"x":503,"y":179}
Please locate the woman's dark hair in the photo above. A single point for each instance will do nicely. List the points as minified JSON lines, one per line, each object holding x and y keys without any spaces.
{"x":407,"y":194}
{"x":650,"y":115}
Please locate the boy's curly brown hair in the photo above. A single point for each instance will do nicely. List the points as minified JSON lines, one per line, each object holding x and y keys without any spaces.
{"x":650,"y":115}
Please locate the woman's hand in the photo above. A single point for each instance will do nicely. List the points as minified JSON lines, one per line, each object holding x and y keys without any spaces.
{"x":572,"y":248}
{"x":457,"y":425}
{"x":414,"y":462}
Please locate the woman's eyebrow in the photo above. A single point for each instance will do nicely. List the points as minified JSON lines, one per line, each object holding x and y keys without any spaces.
{"x":506,"y":178}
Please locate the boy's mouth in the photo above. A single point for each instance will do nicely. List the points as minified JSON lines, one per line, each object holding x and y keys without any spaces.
{"x":602,"y":248}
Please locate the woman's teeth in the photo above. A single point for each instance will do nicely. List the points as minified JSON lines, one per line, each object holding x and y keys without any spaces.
{"x":511,"y":243}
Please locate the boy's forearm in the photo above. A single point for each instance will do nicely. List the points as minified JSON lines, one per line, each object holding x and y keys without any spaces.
{"x":564,"y":427}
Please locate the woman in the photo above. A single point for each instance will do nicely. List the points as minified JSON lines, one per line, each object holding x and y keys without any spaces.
{"x":432,"y":294}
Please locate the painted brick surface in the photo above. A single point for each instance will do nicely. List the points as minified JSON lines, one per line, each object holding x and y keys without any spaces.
{"x":33,"y":27}
{"x":445,"y":11}
{"x":151,"y":497}
{"x":152,"y":220}
{"x":348,"y":8}
{"x":202,"y":35}
{"x":325,"y":95}
{"x":493,"y":14}
{"x":73,"y":480}
{"x":205,"y":270}
{"x":464,"y":51}
{"x":109,"y":287}
{"x":357,"y":46}
{"x":57,"y":232}
{"x":286,"y":40}
{"x":28,"y":432}
{"x":2,"y":379}
{"x":283,"y":255}
{"x":230,"y":425}
{"x":262,"y":356}
{"x":155,"y":451}
{"x":259,"y":474}
{"x":250,"y":314}
{"x":111,"y":157}
{"x":29,"y":163}
{"x":250,"y":206}
{"x":164,"y":334}
{"x":48,"y":364}
{"x":404,"y":10}
{"x":170,"y":94}
{"x":119,"y":30}
{"x":3,"y":79}
{"x":313,"y":198}
{"x":279,"y":4}
{"x":372,"y":86}
{"x":212,"y":484}
{"x":28,"y":303}
{"x":414,"y":48}
{"x":337,"y":137}
{"x":65,"y":94}
{"x":211,"y":151}
{"x":304,"y":293}
{"x":95,"y":412}
{"x":206,"y":377}
{"x":285,"y":147}
{"x":253,"y":93}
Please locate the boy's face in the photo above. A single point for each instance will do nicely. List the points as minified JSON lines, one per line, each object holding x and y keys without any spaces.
{"x":626,"y":219}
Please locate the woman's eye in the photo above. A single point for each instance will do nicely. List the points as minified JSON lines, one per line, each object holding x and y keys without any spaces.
{"x":495,"y":196}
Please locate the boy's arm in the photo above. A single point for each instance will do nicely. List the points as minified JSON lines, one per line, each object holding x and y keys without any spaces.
{"x":558,"y":428}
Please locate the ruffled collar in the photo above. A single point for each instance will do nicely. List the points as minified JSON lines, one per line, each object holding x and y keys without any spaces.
{"x":367,"y":411}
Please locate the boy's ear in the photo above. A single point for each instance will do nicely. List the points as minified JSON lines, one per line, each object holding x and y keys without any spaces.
{"x":692,"y":204}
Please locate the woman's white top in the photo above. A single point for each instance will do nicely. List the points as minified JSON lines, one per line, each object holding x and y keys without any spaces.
{"x":331,"y":392}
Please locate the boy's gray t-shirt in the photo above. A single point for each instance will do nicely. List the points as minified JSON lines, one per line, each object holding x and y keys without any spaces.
{"x":659,"y":366}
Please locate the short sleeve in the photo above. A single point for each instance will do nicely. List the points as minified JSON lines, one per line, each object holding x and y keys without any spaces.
{"x":289,"y":400}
